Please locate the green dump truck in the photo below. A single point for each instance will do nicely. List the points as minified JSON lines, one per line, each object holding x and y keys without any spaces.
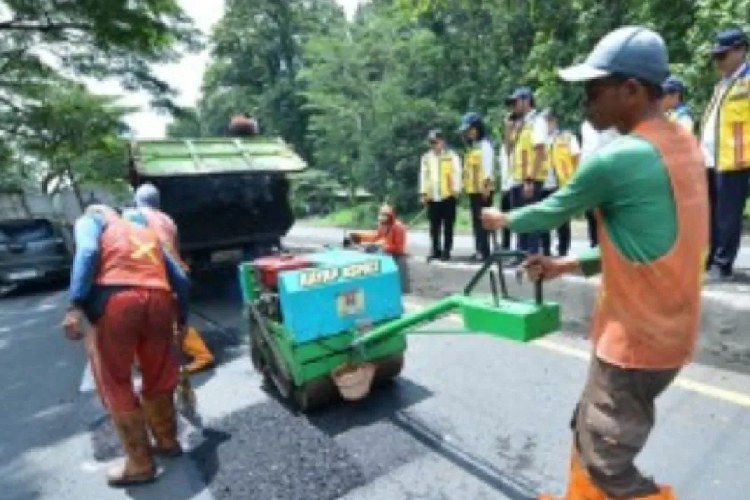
{"x":224,"y":194}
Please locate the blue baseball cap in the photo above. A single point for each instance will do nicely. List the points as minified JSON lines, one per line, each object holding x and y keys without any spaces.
{"x":521,"y":93}
{"x":728,"y":39}
{"x":632,"y":51}
{"x":469,"y":120}
{"x":673,"y":85}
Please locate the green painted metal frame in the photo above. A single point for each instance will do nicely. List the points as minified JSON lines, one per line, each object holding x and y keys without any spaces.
{"x":522,"y":320}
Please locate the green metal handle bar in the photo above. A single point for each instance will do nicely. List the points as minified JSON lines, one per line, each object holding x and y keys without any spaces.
{"x":497,"y":257}
{"x":444,"y":306}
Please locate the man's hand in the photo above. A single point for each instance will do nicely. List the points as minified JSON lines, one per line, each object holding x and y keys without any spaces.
{"x":72,"y":324}
{"x":528,"y":190}
{"x":493,"y":219}
{"x":539,"y":267}
{"x":180,"y":332}
{"x":423,"y":199}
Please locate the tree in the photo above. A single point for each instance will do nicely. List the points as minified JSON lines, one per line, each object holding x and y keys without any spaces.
{"x":80,"y":140}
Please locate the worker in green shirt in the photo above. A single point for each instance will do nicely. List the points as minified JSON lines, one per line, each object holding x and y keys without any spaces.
{"x":649,"y":192}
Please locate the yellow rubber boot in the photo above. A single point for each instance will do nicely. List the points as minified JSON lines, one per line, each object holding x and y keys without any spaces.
{"x":194,"y":347}
{"x":580,"y":486}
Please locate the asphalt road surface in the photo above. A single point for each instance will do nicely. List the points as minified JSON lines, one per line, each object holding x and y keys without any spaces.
{"x":471,"y":417}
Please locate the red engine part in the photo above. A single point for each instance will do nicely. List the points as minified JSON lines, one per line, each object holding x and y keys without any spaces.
{"x":270,"y":267}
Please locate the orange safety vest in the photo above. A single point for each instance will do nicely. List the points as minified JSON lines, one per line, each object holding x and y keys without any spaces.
{"x":131,"y":256}
{"x":393,"y":237}
{"x":648,"y":314}
{"x":165,"y":229}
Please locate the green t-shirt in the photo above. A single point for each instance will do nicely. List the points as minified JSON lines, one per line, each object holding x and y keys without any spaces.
{"x":628,"y":182}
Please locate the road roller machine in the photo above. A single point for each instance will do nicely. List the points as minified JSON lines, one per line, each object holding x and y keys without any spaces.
{"x":329,"y":325}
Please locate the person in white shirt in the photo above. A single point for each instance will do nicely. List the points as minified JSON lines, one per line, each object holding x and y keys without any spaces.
{"x":563,"y":154}
{"x":439,"y":185}
{"x":591,"y":142}
{"x":529,"y":159}
{"x":478,"y":177}
{"x":725,"y":137}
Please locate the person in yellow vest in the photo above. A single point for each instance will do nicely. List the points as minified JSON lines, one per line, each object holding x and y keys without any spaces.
{"x":530,"y":165}
{"x":673,"y":103}
{"x":478,"y":177}
{"x":439,"y":185}
{"x":725,"y":137}
{"x":564,"y":151}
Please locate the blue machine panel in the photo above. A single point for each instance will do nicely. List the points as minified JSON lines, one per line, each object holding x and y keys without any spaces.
{"x":343,"y":288}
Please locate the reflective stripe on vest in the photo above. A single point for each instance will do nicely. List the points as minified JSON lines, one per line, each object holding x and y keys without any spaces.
{"x":647,"y":314}
{"x":524,"y":153}
{"x":733,"y":125}
{"x":445,"y":173}
{"x":131,"y":256}
{"x":562,"y":159}
{"x":473,"y":170}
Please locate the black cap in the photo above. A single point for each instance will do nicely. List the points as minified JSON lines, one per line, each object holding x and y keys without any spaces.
{"x":728,"y":39}
{"x":434,"y":135}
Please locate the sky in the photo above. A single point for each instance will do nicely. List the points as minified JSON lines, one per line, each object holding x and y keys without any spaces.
{"x":185,"y":76}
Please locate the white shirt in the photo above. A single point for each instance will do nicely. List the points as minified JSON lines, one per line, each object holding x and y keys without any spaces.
{"x":593,"y":140}
{"x":575,"y":149}
{"x":708,"y":136}
{"x":430,"y":160}
{"x":488,"y":156}
{"x":506,"y":174}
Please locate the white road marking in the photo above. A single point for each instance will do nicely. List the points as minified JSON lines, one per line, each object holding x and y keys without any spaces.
{"x":708,"y":390}
{"x":87,"y":380}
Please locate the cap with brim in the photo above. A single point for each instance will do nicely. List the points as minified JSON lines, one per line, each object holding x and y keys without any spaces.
{"x":673,"y":85}
{"x":632,"y":51}
{"x":468,"y":120}
{"x":729,"y":39}
{"x":434,"y":135}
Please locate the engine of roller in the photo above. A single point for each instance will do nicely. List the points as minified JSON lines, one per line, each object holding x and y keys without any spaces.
{"x":305,"y":312}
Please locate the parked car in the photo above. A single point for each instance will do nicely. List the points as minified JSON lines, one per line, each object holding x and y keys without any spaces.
{"x":34,"y":250}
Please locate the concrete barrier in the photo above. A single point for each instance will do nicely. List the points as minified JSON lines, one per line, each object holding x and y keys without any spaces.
{"x":725,"y":322}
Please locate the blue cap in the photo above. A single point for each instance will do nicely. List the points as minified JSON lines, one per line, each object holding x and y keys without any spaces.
{"x":147,"y":196}
{"x":673,"y":85}
{"x":469,"y":120}
{"x":632,"y":51}
{"x":728,"y":39}
{"x":521,"y":93}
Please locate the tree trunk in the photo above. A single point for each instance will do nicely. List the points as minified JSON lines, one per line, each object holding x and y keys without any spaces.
{"x":76,"y":188}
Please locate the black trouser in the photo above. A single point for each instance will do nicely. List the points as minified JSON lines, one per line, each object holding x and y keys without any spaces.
{"x":505,"y":206}
{"x":731,"y":193}
{"x":442,"y":215}
{"x":711,"y":182}
{"x":591,"y":223}
{"x":527,"y":242}
{"x":481,"y":235}
{"x":563,"y":234}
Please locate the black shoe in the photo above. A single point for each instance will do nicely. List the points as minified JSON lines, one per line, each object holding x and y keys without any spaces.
{"x":433,"y":256}
{"x":716,"y":275}
{"x":445,"y":257}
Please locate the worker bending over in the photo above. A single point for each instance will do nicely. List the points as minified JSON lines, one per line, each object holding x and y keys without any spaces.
{"x":125,"y":285}
{"x":148,"y":201}
{"x":649,"y":191}
{"x":390,"y":237}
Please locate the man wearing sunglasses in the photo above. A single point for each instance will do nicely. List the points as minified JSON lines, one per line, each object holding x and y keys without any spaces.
{"x":725,"y":138}
{"x":648,"y":188}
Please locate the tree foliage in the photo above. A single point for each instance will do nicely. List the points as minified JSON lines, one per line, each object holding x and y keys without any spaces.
{"x":358,"y":97}
{"x":51,"y":127}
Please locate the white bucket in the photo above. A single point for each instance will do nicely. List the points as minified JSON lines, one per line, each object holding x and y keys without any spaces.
{"x":354,"y":380}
